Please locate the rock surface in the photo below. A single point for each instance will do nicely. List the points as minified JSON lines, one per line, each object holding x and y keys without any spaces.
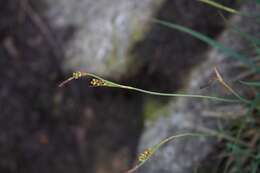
{"x":105,"y":30}
{"x":193,"y":115}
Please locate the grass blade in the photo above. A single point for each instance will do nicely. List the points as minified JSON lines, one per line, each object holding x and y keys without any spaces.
{"x":227,"y":9}
{"x":251,"y":83}
{"x":219,"y":6}
{"x":228,"y":51}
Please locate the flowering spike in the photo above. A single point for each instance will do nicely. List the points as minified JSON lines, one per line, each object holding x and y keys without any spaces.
{"x":97,"y":83}
{"x":77,"y":75}
{"x":145,"y":155}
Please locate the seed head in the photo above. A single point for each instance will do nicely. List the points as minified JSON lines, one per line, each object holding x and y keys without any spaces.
{"x":145,"y":155}
{"x":97,"y":83}
{"x":77,"y":75}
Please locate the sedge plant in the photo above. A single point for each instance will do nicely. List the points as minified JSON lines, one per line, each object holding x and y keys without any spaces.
{"x":98,"y":81}
{"x":236,"y":145}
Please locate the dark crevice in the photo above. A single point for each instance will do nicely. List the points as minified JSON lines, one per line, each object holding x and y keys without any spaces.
{"x":166,"y":55}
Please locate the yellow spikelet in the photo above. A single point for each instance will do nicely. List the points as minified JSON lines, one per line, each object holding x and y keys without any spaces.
{"x":97,"y":83}
{"x":145,"y":155}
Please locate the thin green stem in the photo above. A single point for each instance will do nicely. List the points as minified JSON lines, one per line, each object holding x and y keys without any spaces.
{"x":176,"y":94}
{"x":157,"y":146}
{"x":154,"y":148}
{"x":108,"y":83}
{"x":228,"y":9}
{"x":219,"y":6}
{"x":182,"y":95}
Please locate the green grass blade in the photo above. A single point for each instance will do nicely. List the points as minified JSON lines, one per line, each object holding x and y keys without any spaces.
{"x":228,"y":51}
{"x":251,"y":83}
{"x":227,"y":9}
{"x":215,"y":98}
{"x":219,"y":6}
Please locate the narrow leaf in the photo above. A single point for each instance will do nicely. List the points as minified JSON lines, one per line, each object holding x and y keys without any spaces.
{"x":228,"y":51}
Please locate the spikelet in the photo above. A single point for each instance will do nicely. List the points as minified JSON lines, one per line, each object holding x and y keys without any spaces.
{"x":77,"y":75}
{"x":145,"y":155}
{"x":97,"y":83}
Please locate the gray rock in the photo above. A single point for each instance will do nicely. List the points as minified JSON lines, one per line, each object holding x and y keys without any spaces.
{"x":193,"y":115}
{"x":105,"y":30}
